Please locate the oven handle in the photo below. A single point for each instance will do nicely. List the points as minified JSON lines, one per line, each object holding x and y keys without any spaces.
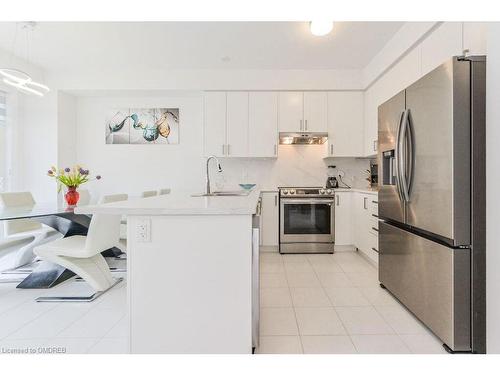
{"x":308,"y":201}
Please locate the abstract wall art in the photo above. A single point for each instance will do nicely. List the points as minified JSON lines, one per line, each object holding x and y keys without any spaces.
{"x":142,"y":126}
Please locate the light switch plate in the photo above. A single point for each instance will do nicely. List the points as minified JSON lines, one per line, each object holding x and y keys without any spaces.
{"x":143,"y":230}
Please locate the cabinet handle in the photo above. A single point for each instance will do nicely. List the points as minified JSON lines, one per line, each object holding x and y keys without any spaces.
{"x":364,"y":203}
{"x":223,"y":149}
{"x":374,"y":145}
{"x":306,"y":124}
{"x":300,"y":124}
{"x":228,"y":149}
{"x":338,"y":200}
{"x":331,"y":149}
{"x":275,"y":200}
{"x":375,"y":215}
{"x":275,"y":150}
{"x":376,"y":202}
{"x":375,"y":229}
{"x":374,"y":249}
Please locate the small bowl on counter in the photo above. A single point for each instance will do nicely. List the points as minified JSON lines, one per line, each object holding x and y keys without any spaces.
{"x":247,"y":186}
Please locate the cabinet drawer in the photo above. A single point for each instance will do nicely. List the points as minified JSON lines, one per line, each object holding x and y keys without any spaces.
{"x":374,"y":242}
{"x":373,"y":205}
{"x":374,"y":225}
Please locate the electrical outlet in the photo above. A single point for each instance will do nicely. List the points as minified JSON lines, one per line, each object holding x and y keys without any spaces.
{"x":143,"y":230}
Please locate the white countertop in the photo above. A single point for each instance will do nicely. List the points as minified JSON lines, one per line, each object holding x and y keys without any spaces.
{"x":179,"y":203}
{"x":359,"y":190}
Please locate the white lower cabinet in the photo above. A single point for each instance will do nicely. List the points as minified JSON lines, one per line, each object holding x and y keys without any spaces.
{"x":365,"y":224}
{"x":269,"y":220}
{"x":343,"y":218}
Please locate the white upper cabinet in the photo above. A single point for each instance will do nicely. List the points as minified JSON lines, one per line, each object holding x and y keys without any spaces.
{"x":345,"y":124}
{"x":263,"y":124}
{"x":291,"y":111}
{"x":442,"y":44}
{"x":315,"y":112}
{"x":215,"y":124}
{"x":303,"y":111}
{"x":237,"y":124}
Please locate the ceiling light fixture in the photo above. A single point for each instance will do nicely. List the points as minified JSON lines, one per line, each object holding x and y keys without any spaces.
{"x":19,"y":79}
{"x":320,"y":28}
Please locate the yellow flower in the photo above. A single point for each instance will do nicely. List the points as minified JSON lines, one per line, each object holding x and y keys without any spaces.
{"x":53,"y":168}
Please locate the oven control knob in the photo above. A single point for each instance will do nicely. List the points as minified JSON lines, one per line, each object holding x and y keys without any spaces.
{"x":285,"y":192}
{"x":329,"y":191}
{"x":292,"y":191}
{"x":322,"y":191}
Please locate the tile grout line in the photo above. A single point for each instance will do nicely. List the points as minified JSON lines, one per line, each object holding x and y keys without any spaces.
{"x":30,"y":321}
{"x":294,"y":312}
{"x":334,"y":309}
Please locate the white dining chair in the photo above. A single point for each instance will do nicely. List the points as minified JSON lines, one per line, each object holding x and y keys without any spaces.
{"x":84,"y":197}
{"x":122,"y":243}
{"x":164,"y":191}
{"x":82,"y":255}
{"x":149,"y":193}
{"x":21,"y":235}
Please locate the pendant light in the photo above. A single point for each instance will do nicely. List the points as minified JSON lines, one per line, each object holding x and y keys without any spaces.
{"x":19,"y":79}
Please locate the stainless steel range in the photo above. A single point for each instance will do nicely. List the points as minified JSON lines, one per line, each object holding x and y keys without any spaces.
{"x":306,"y":220}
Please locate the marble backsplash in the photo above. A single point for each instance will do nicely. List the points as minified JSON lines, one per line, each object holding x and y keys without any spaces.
{"x":296,"y":165}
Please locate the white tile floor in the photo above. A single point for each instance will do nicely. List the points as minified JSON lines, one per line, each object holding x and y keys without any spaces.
{"x":97,"y":327}
{"x":318,"y":304}
{"x":309,"y":304}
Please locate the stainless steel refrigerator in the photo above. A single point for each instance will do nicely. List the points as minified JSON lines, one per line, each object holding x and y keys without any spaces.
{"x":432,"y":201}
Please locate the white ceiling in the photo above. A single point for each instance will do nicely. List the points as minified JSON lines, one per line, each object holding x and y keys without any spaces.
{"x":77,"y":46}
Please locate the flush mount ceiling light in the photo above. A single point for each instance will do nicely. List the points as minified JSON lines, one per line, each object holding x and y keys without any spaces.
{"x":320,"y":28}
{"x":22,"y":81}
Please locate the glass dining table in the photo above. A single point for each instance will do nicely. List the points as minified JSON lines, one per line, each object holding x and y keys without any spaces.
{"x":59,"y":217}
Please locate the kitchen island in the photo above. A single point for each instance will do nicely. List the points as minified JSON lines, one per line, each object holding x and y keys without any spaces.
{"x":189,"y":263}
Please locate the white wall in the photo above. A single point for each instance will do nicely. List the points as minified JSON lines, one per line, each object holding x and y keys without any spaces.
{"x":134,"y":168}
{"x":66,"y":129}
{"x":492,"y":184}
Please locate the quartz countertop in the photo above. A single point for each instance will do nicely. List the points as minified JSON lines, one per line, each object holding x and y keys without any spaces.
{"x":359,"y":190}
{"x":179,"y":203}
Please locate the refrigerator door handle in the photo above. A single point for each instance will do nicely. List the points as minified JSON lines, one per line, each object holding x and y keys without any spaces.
{"x":402,"y":159}
{"x":398,"y":158}
{"x":411,"y":154}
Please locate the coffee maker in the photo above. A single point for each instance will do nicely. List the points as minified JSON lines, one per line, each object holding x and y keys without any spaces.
{"x":331,"y":181}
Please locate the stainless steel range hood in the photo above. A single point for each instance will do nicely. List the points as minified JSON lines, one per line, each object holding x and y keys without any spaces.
{"x":303,"y":138}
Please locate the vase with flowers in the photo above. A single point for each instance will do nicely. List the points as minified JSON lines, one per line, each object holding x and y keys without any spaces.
{"x":72,"y":178}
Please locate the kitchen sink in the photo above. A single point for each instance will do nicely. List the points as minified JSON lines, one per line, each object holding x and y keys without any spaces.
{"x":228,"y":193}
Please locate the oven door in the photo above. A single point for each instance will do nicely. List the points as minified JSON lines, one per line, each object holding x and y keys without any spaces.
{"x":306,"y":220}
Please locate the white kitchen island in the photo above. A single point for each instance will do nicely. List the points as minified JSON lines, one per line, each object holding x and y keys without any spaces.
{"x":189,"y":263}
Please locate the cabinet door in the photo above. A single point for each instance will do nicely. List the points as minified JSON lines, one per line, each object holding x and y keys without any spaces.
{"x":215,"y":123}
{"x":345,"y":124}
{"x":237,"y":124}
{"x":343,"y":218}
{"x":269,"y":219}
{"x":263,"y":124}
{"x":365,"y":224}
{"x":291,"y":115}
{"x":315,"y":111}
{"x":357,"y":212}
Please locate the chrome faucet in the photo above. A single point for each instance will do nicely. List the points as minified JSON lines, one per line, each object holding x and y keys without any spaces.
{"x":219,"y":169}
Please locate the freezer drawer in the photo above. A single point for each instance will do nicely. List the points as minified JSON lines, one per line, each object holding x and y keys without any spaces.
{"x":431,"y":280}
